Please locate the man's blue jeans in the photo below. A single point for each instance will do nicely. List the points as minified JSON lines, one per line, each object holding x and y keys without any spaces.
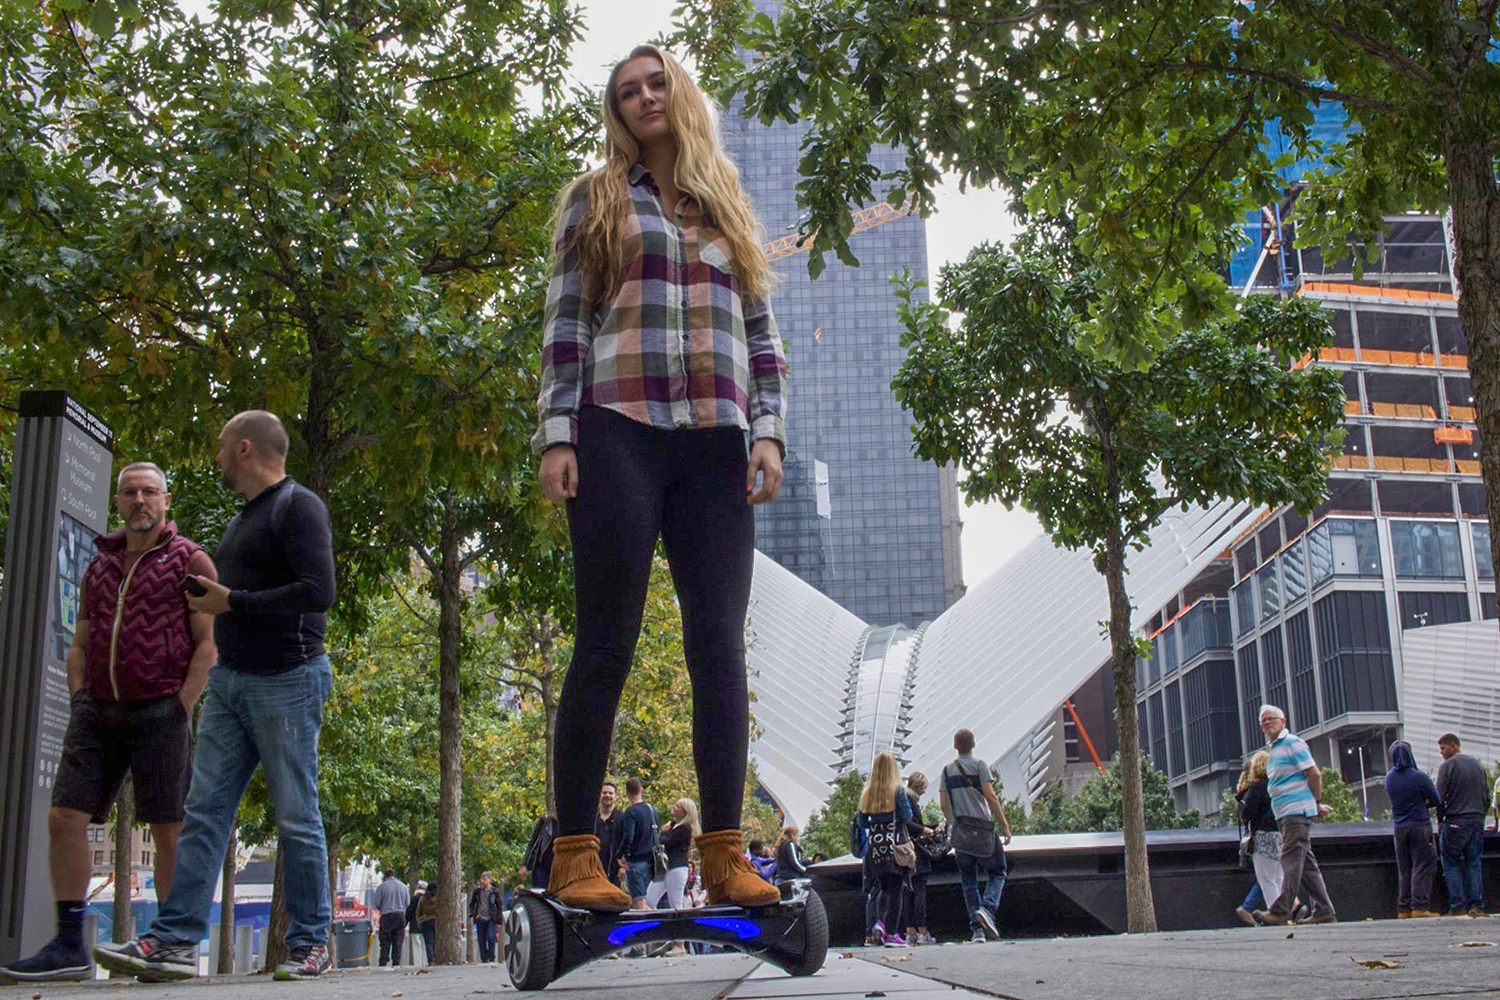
{"x":249,"y":719}
{"x":969,"y":868}
{"x":1463,"y":843}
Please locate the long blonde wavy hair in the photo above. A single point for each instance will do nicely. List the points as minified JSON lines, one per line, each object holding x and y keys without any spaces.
{"x":879,"y":795}
{"x":1255,"y":770}
{"x":690,"y":816}
{"x":703,"y":172}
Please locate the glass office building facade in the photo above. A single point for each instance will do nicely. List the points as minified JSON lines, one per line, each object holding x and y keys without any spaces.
{"x":861,"y":519}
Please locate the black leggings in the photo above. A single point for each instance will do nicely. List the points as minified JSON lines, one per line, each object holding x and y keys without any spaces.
{"x":636,"y":483}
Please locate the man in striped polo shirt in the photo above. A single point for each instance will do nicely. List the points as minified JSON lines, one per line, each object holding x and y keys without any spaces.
{"x":1295,"y":785}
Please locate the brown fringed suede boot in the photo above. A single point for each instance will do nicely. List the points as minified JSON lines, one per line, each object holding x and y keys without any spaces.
{"x":578,"y":877}
{"x":728,"y":875}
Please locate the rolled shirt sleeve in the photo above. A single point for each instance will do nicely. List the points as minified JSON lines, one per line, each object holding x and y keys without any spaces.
{"x":767,"y":389}
{"x":568,"y":335}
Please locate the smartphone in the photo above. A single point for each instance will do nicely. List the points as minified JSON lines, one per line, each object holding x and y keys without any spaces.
{"x":190,"y":585}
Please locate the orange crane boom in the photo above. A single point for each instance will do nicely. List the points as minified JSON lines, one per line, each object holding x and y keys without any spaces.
{"x":864,"y":219}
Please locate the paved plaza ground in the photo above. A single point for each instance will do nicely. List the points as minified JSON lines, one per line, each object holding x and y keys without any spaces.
{"x":1307,"y":963}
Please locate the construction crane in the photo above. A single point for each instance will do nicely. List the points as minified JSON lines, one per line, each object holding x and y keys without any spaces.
{"x":864,"y":219}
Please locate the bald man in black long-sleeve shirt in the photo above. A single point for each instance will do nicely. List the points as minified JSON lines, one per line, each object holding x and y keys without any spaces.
{"x":264,"y":706}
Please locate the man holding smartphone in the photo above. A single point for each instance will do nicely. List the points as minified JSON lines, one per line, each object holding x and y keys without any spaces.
{"x":264,"y":707}
{"x":138,"y":662}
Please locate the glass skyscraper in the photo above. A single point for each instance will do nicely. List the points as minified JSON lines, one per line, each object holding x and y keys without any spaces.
{"x":859,"y":517}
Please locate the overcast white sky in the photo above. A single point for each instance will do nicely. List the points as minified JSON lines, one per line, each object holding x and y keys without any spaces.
{"x":991,"y":534}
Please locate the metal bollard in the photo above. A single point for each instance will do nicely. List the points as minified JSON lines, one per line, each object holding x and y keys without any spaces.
{"x":213,"y":949}
{"x":244,"y":948}
{"x":91,"y":938}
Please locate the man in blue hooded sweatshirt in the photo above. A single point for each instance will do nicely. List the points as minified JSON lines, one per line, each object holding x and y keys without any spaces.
{"x":1411,"y":791}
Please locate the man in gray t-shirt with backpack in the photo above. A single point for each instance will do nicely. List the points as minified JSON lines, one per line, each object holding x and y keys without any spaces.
{"x":969,"y":802}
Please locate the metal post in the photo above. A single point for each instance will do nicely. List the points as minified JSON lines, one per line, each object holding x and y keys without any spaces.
{"x":1364,"y":789}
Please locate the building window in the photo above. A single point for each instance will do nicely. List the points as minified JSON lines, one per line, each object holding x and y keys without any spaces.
{"x":1354,"y":647}
{"x":1176,"y":751}
{"x":1244,"y":606}
{"x":1419,"y":609}
{"x":1274,"y":664}
{"x":98,"y":857}
{"x":1294,"y":572}
{"x":1426,"y":550}
{"x":1169,"y":651}
{"x":1341,"y":547}
{"x":1304,"y":707}
{"x":1158,"y":734}
{"x":1249,"y":670}
{"x":1212,"y":732}
{"x":1270,"y":591}
{"x":1487,"y":608}
{"x":1484,"y":563}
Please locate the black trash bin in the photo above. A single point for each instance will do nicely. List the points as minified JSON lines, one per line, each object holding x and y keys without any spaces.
{"x":352,"y":941}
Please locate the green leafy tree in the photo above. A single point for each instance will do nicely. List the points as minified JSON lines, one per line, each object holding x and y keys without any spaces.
{"x":827,"y":830}
{"x":1098,"y":804}
{"x":338,"y":212}
{"x":1100,"y":451}
{"x":1147,"y":119}
{"x":1347,"y":807}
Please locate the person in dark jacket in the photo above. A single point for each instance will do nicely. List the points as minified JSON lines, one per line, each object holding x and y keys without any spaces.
{"x":485,"y":908}
{"x":1260,"y":823}
{"x":1411,"y":791}
{"x":1461,"y":783}
{"x":914,"y":896}
{"x":427,"y":910}
{"x":677,"y":840}
{"x":789,"y":863}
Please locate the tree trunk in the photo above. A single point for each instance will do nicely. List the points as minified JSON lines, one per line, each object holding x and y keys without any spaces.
{"x":276,"y":951}
{"x":124,"y":921}
{"x":1469,"y":160}
{"x":226,"y":907}
{"x":1140,"y":908}
{"x":335,"y":848}
{"x":450,"y":735}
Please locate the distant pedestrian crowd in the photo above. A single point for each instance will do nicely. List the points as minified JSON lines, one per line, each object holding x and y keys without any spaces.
{"x":1280,"y":794}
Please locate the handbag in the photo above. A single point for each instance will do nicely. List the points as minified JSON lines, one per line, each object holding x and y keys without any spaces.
{"x":933,"y":847}
{"x":969,"y":834}
{"x":658,"y":851}
{"x":902,"y":852}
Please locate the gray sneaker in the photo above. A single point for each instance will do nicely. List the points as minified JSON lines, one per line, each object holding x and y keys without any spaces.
{"x":977,"y":937}
{"x":306,"y":962}
{"x":986,"y":924}
{"x":149,"y":960}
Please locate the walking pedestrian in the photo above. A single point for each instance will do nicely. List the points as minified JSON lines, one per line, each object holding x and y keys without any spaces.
{"x":391,"y":900}
{"x":1411,"y":791}
{"x":1464,"y":790}
{"x":638,"y":842}
{"x":663,"y":384}
{"x":138,"y":661}
{"x":484,"y":911}
{"x":789,"y":863}
{"x":972,"y":809}
{"x":914,"y":895}
{"x":1296,"y":787}
{"x":1260,"y":825}
{"x":884,"y":814}
{"x":677,"y":839}
{"x":264,"y":706}
{"x":427,"y":912}
{"x":414,"y":925}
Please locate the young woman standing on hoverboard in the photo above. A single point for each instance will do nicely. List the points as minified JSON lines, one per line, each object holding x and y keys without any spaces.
{"x":660,"y":359}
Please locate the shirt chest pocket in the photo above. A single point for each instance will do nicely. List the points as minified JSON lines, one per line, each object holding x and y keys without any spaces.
{"x":710,"y":252}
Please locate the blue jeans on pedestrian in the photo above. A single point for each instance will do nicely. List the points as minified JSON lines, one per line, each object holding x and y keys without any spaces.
{"x":638,"y":872}
{"x":1254,"y":899}
{"x":1463,"y":843}
{"x":484,"y":931}
{"x":994,"y":868}
{"x":247,"y":719}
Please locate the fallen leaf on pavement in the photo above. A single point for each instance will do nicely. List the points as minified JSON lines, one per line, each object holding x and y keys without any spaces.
{"x":396,"y":994}
{"x":1041,"y":980}
{"x":875,"y":993}
{"x":424,"y":970}
{"x":1290,"y":935}
{"x":846,"y":954}
{"x":1473,"y":944}
{"x":894,"y":958}
{"x":1376,"y":963}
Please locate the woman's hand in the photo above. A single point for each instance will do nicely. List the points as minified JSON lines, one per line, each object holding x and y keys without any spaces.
{"x":765,"y":459}
{"x":559,"y":473}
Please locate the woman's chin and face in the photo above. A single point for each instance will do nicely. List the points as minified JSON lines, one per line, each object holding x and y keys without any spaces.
{"x":641,"y":97}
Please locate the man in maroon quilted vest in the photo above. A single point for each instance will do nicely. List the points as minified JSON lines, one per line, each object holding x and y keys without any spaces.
{"x":139,"y":661}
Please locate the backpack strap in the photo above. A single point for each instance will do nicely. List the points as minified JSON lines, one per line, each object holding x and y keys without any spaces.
{"x":961,"y":780}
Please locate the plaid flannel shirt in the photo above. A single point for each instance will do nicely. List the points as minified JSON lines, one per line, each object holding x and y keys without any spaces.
{"x":676,"y":347}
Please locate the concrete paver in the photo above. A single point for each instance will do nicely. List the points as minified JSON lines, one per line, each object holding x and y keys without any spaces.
{"x":1310,"y":963}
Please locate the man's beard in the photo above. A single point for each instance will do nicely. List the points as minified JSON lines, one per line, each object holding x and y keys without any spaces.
{"x":150,"y":519}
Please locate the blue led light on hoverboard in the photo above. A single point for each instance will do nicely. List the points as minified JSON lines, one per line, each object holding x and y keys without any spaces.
{"x":745,"y":930}
{"x":625,"y":932}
